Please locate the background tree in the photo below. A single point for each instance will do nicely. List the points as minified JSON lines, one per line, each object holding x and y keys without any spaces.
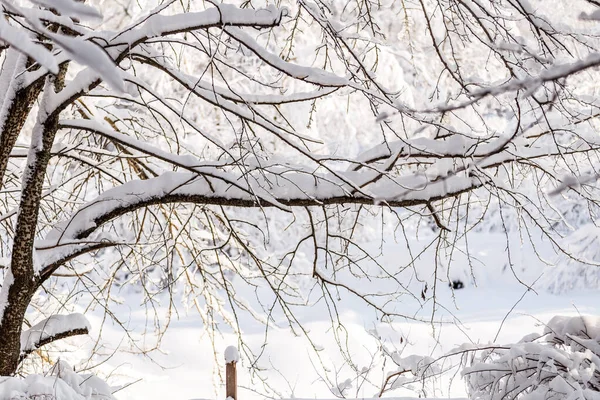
{"x":131,"y":149}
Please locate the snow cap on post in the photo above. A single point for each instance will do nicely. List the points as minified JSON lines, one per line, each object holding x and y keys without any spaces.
{"x":231,"y":354}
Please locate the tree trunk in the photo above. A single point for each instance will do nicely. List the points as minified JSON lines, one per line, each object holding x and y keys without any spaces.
{"x":21,"y":101}
{"x":23,"y":286}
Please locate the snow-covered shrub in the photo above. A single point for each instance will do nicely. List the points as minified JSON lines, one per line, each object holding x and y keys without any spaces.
{"x":60,"y":383}
{"x":579,"y":268}
{"x":559,"y":364}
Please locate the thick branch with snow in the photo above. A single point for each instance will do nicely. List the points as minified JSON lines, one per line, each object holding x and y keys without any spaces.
{"x":51,"y":329}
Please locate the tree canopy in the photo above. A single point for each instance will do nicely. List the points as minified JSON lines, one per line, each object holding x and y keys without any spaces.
{"x":216,"y":148}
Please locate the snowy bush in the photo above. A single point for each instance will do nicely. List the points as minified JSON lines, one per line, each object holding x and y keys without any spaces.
{"x":61,"y":383}
{"x":559,"y":364}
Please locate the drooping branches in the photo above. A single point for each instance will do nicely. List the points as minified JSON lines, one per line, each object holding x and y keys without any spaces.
{"x":150,"y":139}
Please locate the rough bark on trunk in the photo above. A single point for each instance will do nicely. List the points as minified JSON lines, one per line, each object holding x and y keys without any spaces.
{"x":16,"y":115}
{"x":22,"y":268}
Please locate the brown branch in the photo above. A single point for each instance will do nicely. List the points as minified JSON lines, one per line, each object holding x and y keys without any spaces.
{"x":49,"y":339}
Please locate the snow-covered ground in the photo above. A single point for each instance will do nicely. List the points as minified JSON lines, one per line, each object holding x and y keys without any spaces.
{"x":188,"y":357}
{"x":498,"y":305}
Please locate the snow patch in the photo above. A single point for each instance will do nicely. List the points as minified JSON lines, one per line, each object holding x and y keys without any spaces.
{"x":61,"y":383}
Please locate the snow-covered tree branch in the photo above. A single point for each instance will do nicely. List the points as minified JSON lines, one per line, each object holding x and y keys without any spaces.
{"x":177,"y":147}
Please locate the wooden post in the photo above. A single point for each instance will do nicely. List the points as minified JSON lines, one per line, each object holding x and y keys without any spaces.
{"x":231,"y":358}
{"x":231,"y":380}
